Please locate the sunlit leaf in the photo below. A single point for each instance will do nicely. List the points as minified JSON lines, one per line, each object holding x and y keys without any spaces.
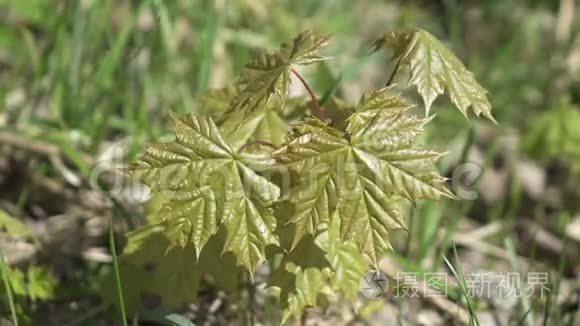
{"x":265,"y":181}
{"x":268,"y":74}
{"x":345,"y":258}
{"x":365,"y":175}
{"x":309,"y":274}
{"x":265,"y":124}
{"x":434,"y":69}
{"x":208,"y":184}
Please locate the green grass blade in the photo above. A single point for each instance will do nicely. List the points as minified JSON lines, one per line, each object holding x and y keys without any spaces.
{"x":117,"y":272}
{"x":9,"y":295}
{"x":524,"y":301}
{"x":463,"y":287}
{"x":162,"y":16}
{"x":209,"y":37}
{"x":525,"y":315}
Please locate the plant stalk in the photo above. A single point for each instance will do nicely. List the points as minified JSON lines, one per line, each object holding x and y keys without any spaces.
{"x":316,"y":109}
{"x":392,"y":76}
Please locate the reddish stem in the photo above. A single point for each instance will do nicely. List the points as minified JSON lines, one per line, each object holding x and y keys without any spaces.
{"x":316,"y":109}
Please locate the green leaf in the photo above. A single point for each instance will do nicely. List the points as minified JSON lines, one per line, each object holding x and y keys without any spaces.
{"x":309,"y":283}
{"x":555,"y":134}
{"x":37,"y":283}
{"x":304,"y":278}
{"x":191,"y":217}
{"x":17,"y":282}
{"x":263,"y":125}
{"x":208,"y":184}
{"x":41,"y":283}
{"x":345,"y":258}
{"x":150,"y":275}
{"x":215,"y":102}
{"x":376,"y":102}
{"x":364,"y":174}
{"x":250,"y":228}
{"x":269,"y":73}
{"x":309,"y":273}
{"x":153,"y":276}
{"x":434,"y":69}
{"x":13,"y":226}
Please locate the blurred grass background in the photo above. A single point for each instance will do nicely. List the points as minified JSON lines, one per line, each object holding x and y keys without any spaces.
{"x":80,"y":79}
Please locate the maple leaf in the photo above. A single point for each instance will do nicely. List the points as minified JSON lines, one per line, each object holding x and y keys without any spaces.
{"x":208,"y":184}
{"x":269,"y":73}
{"x":150,"y":274}
{"x":434,"y":69}
{"x":216,"y":101}
{"x":345,"y":258}
{"x":303,"y":278}
{"x":315,"y":267}
{"x":364,"y":174}
{"x":375,"y":102}
{"x":263,"y":125}
{"x":267,"y":124}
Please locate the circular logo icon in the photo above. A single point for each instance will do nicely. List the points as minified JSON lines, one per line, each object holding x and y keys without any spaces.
{"x":373,"y":284}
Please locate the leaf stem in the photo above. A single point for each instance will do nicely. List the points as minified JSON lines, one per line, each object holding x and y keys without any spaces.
{"x":316,"y":109}
{"x":395,"y":70}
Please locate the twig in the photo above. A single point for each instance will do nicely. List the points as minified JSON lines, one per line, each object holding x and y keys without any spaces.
{"x":484,"y":232}
{"x":57,"y":157}
{"x":53,"y":153}
{"x":316,"y":109}
{"x":29,"y":145}
{"x":482,"y":247}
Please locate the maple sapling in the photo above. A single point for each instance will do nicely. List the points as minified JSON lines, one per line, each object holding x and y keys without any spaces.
{"x":345,"y":184}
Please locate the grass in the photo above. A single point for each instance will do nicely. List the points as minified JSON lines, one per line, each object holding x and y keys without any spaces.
{"x":459,"y":276}
{"x":119,"y":285}
{"x":8,"y":289}
{"x":529,"y":315}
